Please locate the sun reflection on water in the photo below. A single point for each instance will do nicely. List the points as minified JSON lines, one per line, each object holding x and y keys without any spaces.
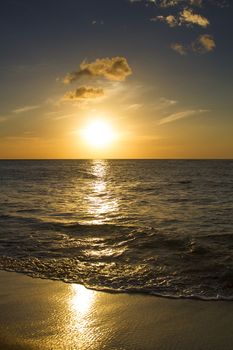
{"x":101,"y":202}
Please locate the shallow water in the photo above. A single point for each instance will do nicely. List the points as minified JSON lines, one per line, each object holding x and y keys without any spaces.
{"x":162,"y":227}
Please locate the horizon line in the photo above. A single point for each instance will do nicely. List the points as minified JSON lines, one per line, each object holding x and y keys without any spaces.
{"x":47,"y":159}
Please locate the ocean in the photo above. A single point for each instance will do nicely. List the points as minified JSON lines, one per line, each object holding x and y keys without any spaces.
{"x":161,"y":227}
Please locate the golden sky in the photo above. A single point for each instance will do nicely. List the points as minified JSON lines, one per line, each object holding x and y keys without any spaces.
{"x":127,"y":79}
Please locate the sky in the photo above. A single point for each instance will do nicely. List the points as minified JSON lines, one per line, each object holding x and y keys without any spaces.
{"x":116,"y":79}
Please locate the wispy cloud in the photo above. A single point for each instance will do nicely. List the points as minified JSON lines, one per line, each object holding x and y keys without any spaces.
{"x":173,"y":3}
{"x":134,"y":107}
{"x":180,"y":48}
{"x":65,"y":116}
{"x":115,"y":69}
{"x":170,"y":20}
{"x":180,"y":115}
{"x":97,"y":22}
{"x":164,"y":102}
{"x":21,"y":138}
{"x":25,"y":109}
{"x":159,"y":104}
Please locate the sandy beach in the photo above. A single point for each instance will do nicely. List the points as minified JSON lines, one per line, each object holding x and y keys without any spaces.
{"x":44,"y":314}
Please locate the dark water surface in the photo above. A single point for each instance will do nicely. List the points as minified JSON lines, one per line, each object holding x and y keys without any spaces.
{"x":162,"y":227}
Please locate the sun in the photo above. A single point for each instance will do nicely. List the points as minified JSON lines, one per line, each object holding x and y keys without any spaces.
{"x":98,"y":134}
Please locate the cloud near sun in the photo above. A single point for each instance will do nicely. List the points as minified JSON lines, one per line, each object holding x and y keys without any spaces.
{"x":115,"y":68}
{"x":111,"y":69}
{"x":83,"y":93}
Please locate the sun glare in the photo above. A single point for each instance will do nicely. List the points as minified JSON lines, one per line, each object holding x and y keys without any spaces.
{"x":98,"y":134}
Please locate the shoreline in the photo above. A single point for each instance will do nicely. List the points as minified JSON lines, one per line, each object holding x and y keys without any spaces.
{"x":218,"y":298}
{"x":45,"y":314}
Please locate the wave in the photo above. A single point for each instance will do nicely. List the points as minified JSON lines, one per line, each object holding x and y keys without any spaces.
{"x":113,"y":273}
{"x":132,"y":290}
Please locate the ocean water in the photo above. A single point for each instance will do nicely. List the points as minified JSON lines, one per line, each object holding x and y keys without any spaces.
{"x":162,"y":227}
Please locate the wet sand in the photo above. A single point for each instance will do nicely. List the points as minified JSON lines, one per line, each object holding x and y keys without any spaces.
{"x":43,"y":314}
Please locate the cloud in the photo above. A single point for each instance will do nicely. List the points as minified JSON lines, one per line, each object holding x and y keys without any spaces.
{"x":173,"y":3}
{"x":21,"y":138}
{"x":170,"y":20}
{"x":65,"y":116}
{"x":83,"y":93}
{"x":114,"y":69}
{"x":205,"y":43}
{"x":180,"y":48}
{"x":169,"y":3}
{"x":96,"y":22}
{"x":134,"y":107}
{"x":187,"y":16}
{"x":176,"y":3}
{"x":165,"y":103}
{"x":158,"y":104}
{"x":184,"y":14}
{"x":181,"y":115}
{"x":24,"y":109}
